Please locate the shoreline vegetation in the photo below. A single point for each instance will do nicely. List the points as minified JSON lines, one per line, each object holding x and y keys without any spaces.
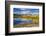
{"x":34,"y":18}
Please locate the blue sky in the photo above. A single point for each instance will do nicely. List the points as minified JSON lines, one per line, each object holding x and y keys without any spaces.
{"x":25,"y":10}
